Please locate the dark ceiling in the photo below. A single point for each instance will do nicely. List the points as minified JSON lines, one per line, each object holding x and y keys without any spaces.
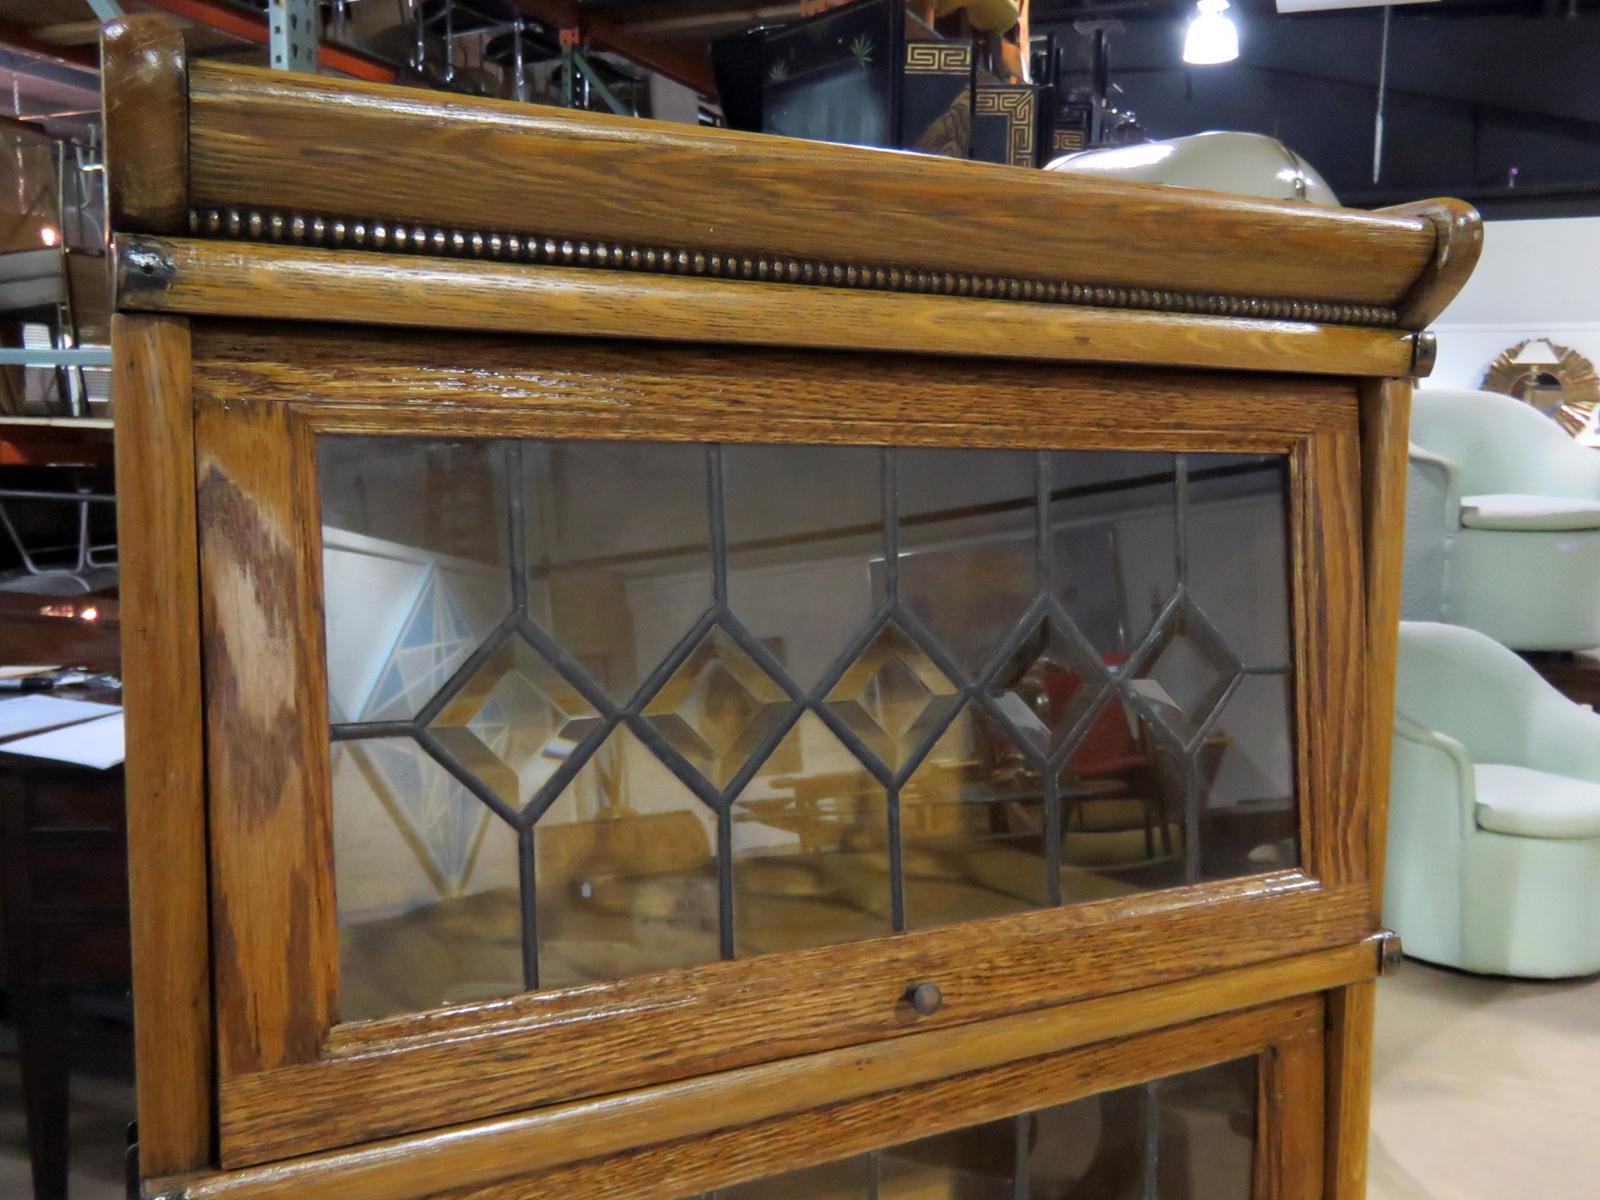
{"x":1480,"y":95}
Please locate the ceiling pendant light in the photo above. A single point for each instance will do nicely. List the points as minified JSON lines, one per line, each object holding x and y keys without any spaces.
{"x":1212,"y":36}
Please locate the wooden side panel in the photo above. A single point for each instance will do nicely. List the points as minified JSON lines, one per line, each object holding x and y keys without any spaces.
{"x":275,"y":282}
{"x":146,"y":102}
{"x":1349,"y":1089}
{"x":275,"y":936}
{"x":516,"y":168}
{"x":673,"y":1171}
{"x":1385,"y":425}
{"x":1330,"y":658}
{"x":556,"y":1136}
{"x":1290,"y":1129}
{"x":165,"y":769}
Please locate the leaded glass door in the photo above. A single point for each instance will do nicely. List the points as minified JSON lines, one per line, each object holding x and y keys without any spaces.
{"x":581,"y":720}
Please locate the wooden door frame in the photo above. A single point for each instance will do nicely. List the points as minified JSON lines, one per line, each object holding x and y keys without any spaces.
{"x":291,"y":1080}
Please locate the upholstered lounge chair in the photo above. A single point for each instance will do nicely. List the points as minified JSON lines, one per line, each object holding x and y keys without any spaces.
{"x":1502,"y":523}
{"x":1494,"y":812}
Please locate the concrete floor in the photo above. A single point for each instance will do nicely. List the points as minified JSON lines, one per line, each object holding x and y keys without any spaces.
{"x":1484,"y":1089}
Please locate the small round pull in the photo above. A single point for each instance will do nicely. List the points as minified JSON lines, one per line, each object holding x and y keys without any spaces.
{"x":926,"y":998}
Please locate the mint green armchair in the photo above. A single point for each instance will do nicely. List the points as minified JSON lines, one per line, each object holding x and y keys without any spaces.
{"x":1502,"y":523}
{"x":1494,"y":812}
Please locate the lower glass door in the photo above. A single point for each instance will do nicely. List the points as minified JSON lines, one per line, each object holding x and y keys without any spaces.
{"x":1187,"y":1137}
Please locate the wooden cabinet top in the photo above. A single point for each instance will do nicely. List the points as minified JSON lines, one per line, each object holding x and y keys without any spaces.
{"x":235,"y":191}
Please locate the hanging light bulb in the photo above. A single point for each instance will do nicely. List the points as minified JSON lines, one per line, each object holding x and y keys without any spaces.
{"x":1212,"y":36}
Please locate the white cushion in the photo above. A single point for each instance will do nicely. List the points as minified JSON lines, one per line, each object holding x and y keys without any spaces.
{"x":1529,"y":513}
{"x":1529,"y":803}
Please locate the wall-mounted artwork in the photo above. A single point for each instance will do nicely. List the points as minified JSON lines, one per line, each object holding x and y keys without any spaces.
{"x":1556,"y":380}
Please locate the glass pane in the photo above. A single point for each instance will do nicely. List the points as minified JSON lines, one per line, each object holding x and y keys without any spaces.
{"x":1113,"y":543}
{"x":968,"y":532}
{"x":972,"y":819}
{"x":893,"y":697}
{"x":514,"y":722}
{"x":805,"y":548}
{"x":626,"y":870}
{"x":1187,"y":1137}
{"x":414,"y":567}
{"x":426,"y":880}
{"x":718,"y":708}
{"x":810,"y":848}
{"x":1246,"y":780}
{"x":1123,"y":794}
{"x":1238,"y":568}
{"x":529,"y":653}
{"x":619,"y":551}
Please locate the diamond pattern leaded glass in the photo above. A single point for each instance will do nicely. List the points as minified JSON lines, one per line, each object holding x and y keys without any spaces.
{"x":893,"y":697}
{"x":513,"y":722}
{"x":729,"y":701}
{"x":717,"y":707}
{"x":1184,"y":671}
{"x":1047,"y":686}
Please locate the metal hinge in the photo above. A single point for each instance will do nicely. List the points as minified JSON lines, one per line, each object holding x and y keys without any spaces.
{"x":1390,"y":952}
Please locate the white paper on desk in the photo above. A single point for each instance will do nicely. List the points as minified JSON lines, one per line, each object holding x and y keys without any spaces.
{"x":88,"y":743}
{"x":23,"y":714}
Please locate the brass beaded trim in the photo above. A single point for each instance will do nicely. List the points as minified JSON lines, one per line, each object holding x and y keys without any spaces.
{"x":397,"y":237}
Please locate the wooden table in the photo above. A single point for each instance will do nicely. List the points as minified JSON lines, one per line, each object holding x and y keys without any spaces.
{"x":64,"y":904}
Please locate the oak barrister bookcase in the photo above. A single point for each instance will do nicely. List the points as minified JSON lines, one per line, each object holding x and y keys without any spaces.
{"x":666,"y":663}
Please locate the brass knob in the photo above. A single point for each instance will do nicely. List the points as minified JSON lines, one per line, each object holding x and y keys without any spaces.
{"x":926,"y":998}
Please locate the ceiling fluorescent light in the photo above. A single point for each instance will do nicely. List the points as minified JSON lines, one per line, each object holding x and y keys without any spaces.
{"x":1286,"y":7}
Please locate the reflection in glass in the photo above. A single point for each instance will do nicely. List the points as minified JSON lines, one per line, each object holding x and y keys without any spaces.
{"x":514,"y":722}
{"x":892,"y":697}
{"x":810,"y":848}
{"x":414,"y":567}
{"x":1238,"y":561}
{"x":1246,"y":783}
{"x":426,"y":881}
{"x":717,"y":708}
{"x":626,"y":871}
{"x":1114,"y":542}
{"x":1123,"y":807}
{"x":687,"y":706}
{"x":618,"y":550}
{"x":1187,"y":1137}
{"x":968,"y":521}
{"x":972,"y":820}
{"x":805,"y":531}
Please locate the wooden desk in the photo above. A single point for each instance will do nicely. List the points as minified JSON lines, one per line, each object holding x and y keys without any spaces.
{"x":64,"y":902}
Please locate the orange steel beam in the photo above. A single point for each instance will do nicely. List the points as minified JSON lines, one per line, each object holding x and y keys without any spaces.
{"x":227,"y":19}
{"x":684,"y":68}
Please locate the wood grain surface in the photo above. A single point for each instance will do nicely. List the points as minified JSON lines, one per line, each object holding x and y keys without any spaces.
{"x":418,"y":1073}
{"x":368,"y":381}
{"x":391,"y":153}
{"x":675,"y":1171}
{"x":145,"y":91}
{"x":274,"y":935}
{"x":1351,"y":1011}
{"x":1330,"y":657}
{"x":1291,"y":1126}
{"x":475,"y":1155}
{"x":245,"y":279}
{"x":1385,"y":426}
{"x":1460,"y":243}
{"x":165,"y":768}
